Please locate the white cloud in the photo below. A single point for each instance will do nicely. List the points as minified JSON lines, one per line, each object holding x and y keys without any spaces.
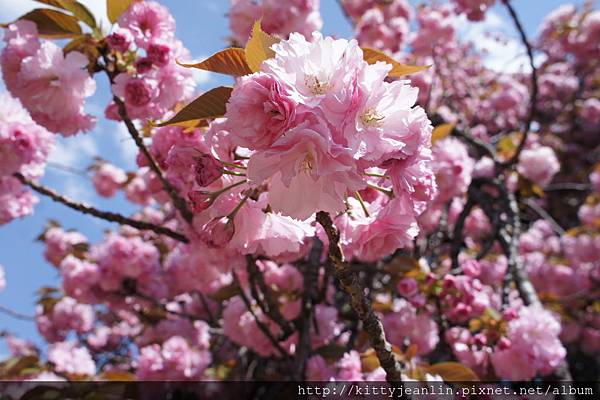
{"x":74,"y":188}
{"x":74,"y":151}
{"x":127,"y":146}
{"x":200,"y":76}
{"x":503,"y":52}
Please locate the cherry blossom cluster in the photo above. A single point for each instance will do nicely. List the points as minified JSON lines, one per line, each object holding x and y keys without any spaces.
{"x":24,"y":147}
{"x":149,"y":80}
{"x":277,"y":17}
{"x":380,"y":24}
{"x":52,"y":86}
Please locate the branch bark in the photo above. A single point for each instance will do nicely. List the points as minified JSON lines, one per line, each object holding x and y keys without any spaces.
{"x":349,"y":281}
{"x":179,"y":203}
{"x":105,"y":215}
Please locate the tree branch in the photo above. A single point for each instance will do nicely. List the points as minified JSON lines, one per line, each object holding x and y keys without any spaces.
{"x":534,"y":83}
{"x":179,"y":203}
{"x":360,"y":303}
{"x":16,"y":314}
{"x":105,"y":215}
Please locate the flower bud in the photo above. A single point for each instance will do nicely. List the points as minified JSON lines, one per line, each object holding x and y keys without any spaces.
{"x":158,"y":53}
{"x":218,"y":232}
{"x":143,"y":65}
{"x":407,"y":287}
{"x":208,"y":170}
{"x":200,"y":200}
{"x":471,"y":268}
{"x":120,"y":40}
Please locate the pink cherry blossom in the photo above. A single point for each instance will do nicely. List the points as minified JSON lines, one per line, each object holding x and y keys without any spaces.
{"x":61,"y":243}
{"x":147,"y":21}
{"x":474,"y":9}
{"x":538,"y":165}
{"x":108,"y":179}
{"x":69,"y":358}
{"x":276,"y":17}
{"x":260,"y":110}
{"x":534,"y":346}
{"x":51,"y":86}
{"x":175,"y":359}
{"x":404,"y":325}
{"x":15,"y":200}
{"x":24,"y":145}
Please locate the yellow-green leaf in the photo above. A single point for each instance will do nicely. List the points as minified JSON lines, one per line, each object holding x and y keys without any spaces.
{"x":398,"y":69}
{"x":79,"y":10}
{"x":258,"y":48}
{"x":87,"y":45}
{"x":53,"y":24}
{"x":369,"y":361}
{"x":452,"y":372}
{"x":115,"y":8}
{"x":441,"y":131}
{"x":230,"y":61}
{"x":211,"y":104}
{"x":121,"y":376}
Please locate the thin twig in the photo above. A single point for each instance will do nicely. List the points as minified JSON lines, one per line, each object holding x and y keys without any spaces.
{"x":265,"y":330}
{"x":105,"y":215}
{"x":534,"y":83}
{"x":545,"y":215}
{"x":16,"y":314}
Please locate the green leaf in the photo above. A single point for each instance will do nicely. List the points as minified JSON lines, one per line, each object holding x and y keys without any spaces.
{"x":230,"y":61}
{"x":53,"y":24}
{"x":79,"y":10}
{"x":372,"y":56}
{"x":211,"y":104}
{"x":258,"y":48}
{"x":115,"y":8}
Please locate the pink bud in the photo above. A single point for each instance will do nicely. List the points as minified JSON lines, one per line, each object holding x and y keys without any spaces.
{"x":112,"y":112}
{"x":143,"y":65}
{"x":218,"y":232}
{"x":137,"y":92}
{"x":200,"y":200}
{"x":503,"y":343}
{"x":509,"y":314}
{"x":480,"y":339}
{"x":158,"y":53}
{"x":407,"y":287}
{"x":120,"y":40}
{"x":208,"y":170}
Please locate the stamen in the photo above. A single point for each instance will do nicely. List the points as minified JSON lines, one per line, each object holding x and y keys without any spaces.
{"x":316,"y":87}
{"x":371,"y":118}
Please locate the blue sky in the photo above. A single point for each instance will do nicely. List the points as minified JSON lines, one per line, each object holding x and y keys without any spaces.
{"x":203,"y":27}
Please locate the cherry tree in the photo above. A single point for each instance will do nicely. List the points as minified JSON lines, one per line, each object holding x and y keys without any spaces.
{"x":386,"y":207}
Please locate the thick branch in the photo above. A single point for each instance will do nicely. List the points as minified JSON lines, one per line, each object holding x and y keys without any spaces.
{"x":179,"y":203}
{"x":349,"y":281}
{"x":105,"y":215}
